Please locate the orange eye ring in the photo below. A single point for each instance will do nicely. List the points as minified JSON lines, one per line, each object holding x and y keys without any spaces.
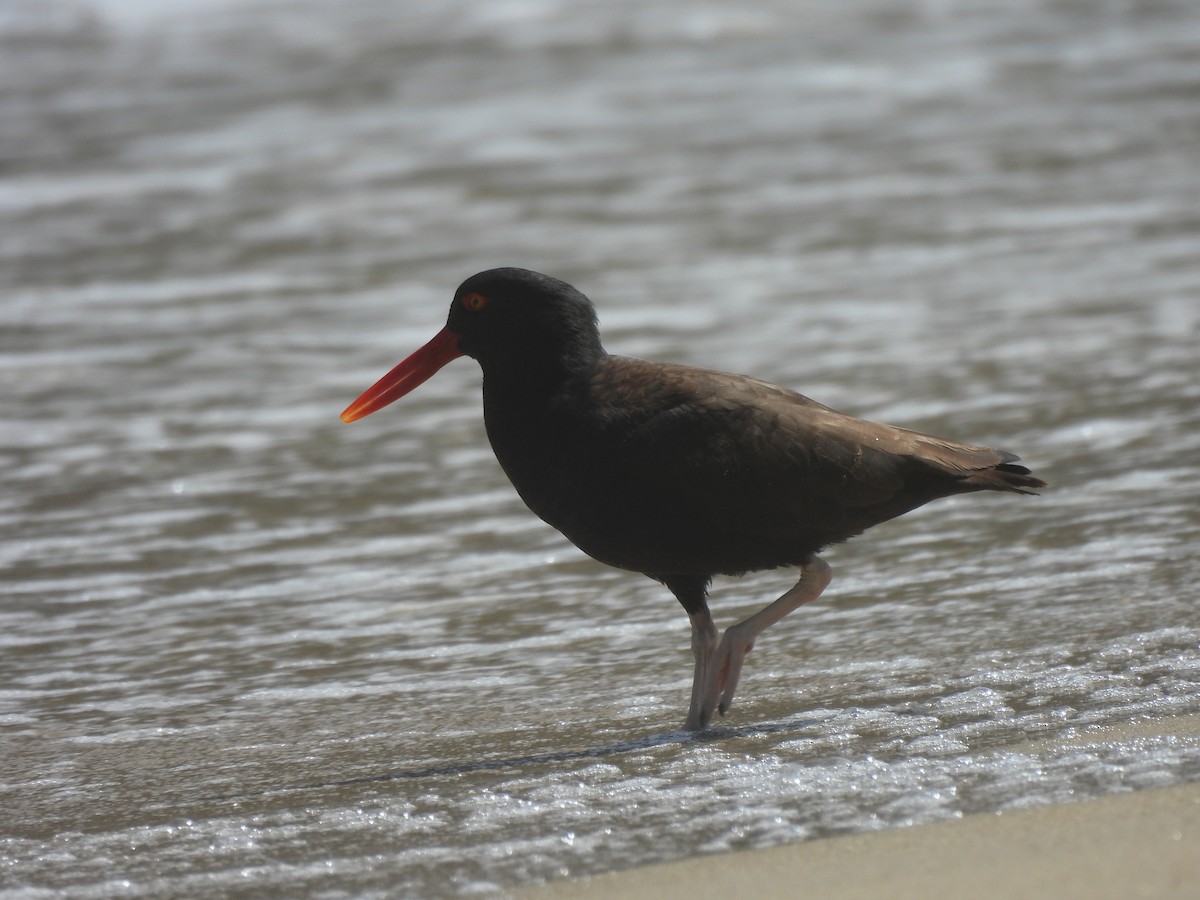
{"x":474,"y":302}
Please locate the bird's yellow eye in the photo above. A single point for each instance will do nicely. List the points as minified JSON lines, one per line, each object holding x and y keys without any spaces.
{"x":474,"y":302}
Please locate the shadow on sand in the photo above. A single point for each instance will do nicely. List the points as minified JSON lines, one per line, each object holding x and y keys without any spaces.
{"x":514,"y":764}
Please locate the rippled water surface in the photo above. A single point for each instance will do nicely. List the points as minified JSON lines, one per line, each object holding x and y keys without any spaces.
{"x":247,"y":649}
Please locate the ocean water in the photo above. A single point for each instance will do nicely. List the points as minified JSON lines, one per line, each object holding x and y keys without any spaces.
{"x":248,"y":650}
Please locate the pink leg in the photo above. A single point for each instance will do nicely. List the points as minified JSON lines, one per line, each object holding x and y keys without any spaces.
{"x":704,"y":645}
{"x":721,"y":668}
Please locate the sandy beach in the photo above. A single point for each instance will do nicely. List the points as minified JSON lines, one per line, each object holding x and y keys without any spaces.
{"x":1143,"y":843}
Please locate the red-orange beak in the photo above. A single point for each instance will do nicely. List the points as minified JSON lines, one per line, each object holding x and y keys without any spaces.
{"x":407,"y":376}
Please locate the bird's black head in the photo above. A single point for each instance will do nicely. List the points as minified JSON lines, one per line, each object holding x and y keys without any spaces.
{"x":521,"y":326}
{"x":514,"y":320}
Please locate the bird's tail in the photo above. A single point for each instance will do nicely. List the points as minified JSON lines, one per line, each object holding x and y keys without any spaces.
{"x":1007,"y":476}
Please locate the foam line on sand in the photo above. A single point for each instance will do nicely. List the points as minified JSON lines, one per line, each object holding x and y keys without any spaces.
{"x":1144,"y":843}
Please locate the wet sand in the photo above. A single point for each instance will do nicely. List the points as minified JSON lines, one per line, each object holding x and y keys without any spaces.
{"x":1144,"y":843}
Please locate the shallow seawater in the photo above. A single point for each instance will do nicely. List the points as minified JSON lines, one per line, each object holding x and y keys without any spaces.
{"x":247,"y":649}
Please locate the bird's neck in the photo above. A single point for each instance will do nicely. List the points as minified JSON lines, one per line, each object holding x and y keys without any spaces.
{"x":523,"y":377}
{"x":533,"y":386}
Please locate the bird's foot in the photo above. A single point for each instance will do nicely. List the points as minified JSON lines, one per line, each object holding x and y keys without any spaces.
{"x":719,"y":665}
{"x":713,"y":689}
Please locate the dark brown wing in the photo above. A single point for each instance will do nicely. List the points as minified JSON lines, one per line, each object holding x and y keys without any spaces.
{"x":769,"y":473}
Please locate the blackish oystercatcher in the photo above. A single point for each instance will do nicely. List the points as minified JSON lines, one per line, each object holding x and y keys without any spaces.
{"x":676,"y":472}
